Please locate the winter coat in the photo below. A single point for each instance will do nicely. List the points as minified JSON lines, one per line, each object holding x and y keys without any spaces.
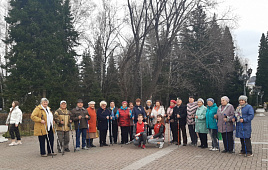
{"x":228,"y":110}
{"x":182,"y":111}
{"x":210,"y":120}
{"x":170,"y":114}
{"x":15,"y":117}
{"x":83,"y":121}
{"x":148,"y":112}
{"x":247,"y":115}
{"x":155,"y":112}
{"x":136,"y":111}
{"x":92,"y":122}
{"x":39,"y":114}
{"x":200,"y":122}
{"x":112,"y":114}
{"x":191,"y":110}
{"x":62,"y":115}
{"x":123,"y":116}
{"x":102,"y":120}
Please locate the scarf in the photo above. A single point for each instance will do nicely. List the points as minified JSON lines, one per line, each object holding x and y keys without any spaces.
{"x":49,"y":118}
{"x":238,"y":112}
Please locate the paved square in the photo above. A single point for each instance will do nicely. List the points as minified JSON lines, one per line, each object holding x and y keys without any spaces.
{"x":27,"y":156}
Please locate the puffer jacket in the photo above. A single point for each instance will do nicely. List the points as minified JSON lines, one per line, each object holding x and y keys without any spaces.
{"x":15,"y":117}
{"x":210,"y":120}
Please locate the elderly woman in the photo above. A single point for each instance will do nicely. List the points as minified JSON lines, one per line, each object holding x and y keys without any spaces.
{"x":123,"y":115}
{"x":212,"y":123}
{"x":243,"y":116}
{"x":225,"y":114}
{"x":157,"y":110}
{"x":43,"y":127}
{"x":92,"y":131}
{"x":200,"y":120}
{"x":148,"y":111}
{"x":173,"y":121}
{"x":13,"y":120}
{"x":103,"y":117}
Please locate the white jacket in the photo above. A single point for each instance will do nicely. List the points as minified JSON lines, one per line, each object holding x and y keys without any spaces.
{"x":15,"y":117}
{"x":155,"y":112}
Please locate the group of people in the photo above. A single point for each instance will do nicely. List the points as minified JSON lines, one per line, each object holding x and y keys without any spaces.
{"x":139,"y":125}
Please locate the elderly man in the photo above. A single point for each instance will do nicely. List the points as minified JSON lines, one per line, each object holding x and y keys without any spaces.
{"x":103,"y":118}
{"x":80,"y":117}
{"x":92,"y":131}
{"x":62,"y":119}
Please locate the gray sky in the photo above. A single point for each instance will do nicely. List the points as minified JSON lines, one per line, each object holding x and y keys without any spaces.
{"x":252,"y":22}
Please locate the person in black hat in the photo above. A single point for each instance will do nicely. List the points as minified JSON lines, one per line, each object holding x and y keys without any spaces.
{"x":80,"y":118}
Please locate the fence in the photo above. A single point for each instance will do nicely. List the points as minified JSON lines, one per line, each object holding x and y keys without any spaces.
{"x":26,"y":127}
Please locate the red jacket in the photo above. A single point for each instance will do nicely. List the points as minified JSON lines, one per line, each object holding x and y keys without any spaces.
{"x":159,"y":130}
{"x":124,"y":118}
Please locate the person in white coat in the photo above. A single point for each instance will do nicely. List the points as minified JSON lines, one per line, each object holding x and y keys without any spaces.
{"x":13,"y":120}
{"x":157,"y":110}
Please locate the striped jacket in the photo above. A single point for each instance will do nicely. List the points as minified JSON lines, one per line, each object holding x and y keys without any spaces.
{"x":191,"y":110}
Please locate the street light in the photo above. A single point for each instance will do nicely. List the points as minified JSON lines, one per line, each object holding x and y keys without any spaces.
{"x":261,"y":94}
{"x":257,"y":90}
{"x":245,"y":77}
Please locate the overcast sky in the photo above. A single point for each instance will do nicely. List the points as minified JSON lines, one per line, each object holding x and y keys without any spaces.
{"x":252,"y":22}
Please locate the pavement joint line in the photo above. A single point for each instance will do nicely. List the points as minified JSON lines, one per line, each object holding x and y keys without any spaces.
{"x":264,"y":148}
{"x":150,"y":158}
{"x":264,"y":160}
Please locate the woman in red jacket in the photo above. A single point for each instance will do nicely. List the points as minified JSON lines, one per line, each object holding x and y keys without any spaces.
{"x":92,"y":123}
{"x":159,"y":133}
{"x":124,"y":115}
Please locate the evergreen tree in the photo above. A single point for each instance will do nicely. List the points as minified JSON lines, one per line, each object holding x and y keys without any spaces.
{"x":262,"y":70}
{"x":41,"y":60}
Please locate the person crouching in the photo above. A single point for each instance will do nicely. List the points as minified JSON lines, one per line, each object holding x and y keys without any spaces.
{"x":159,"y":133}
{"x":139,"y":132}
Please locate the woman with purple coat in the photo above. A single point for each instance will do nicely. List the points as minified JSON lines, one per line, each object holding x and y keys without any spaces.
{"x":225,"y":114}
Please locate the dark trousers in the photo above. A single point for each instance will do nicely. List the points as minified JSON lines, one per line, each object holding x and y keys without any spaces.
{"x":14,"y":130}
{"x":142,"y":138}
{"x":149,"y":130}
{"x":102,"y":136}
{"x":192,"y":134}
{"x":113,"y":132}
{"x":174,"y":130}
{"x":124,"y":134}
{"x":214,"y":135}
{"x":42,"y":142}
{"x":228,"y":141}
{"x":248,"y":145}
{"x":130,"y":133}
{"x":84,"y":135}
{"x":183,"y":134}
{"x":204,"y":139}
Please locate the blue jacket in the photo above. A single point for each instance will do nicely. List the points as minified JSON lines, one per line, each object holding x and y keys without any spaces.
{"x":102,"y":120}
{"x":247,"y":116}
{"x":136,"y":111}
{"x":210,"y":120}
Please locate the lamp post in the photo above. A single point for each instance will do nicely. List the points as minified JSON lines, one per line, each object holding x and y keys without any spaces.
{"x":245,"y":77}
{"x":262,"y":93}
{"x":257,"y":90}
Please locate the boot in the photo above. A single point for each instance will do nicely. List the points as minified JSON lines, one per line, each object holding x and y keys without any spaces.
{"x":91,"y":143}
{"x":87,"y":142}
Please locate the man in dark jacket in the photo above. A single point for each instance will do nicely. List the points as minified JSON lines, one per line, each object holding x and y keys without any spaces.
{"x":180,"y":112}
{"x":138,"y":109}
{"x":113,"y":126}
{"x":80,"y":117}
{"x":103,"y":118}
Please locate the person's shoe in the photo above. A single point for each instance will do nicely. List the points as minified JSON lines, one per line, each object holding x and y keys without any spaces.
{"x":115,"y":142}
{"x":171,"y":141}
{"x":105,"y":144}
{"x":122,"y":142}
{"x":101,"y":145}
{"x":77,"y":149}
{"x":184,"y":144}
{"x":67,"y":150}
{"x":12,"y":144}
{"x":51,"y":154}
{"x":200,"y":146}
{"x":211,"y":149}
{"x":93,"y":145}
{"x":59,"y":151}
{"x":45,"y":155}
{"x":139,"y":145}
{"x":19,"y":143}
{"x":143,"y":146}
{"x":231,"y":152}
{"x":242,"y":153}
{"x":249,"y":155}
{"x":224,"y":151}
{"x":85,"y":148}
{"x":161,"y":145}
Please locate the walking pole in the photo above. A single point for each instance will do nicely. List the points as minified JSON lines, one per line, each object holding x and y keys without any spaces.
{"x":234,"y":131}
{"x":88,"y":133}
{"x":72,"y":134}
{"x":109,"y":130}
{"x":226,"y":134}
{"x":112,"y":136}
{"x":47,"y":137}
{"x":244,"y":139}
{"x":178,"y":133}
{"x":63,"y":141}
{"x":169,"y":133}
{"x":218,"y":140}
{"x":78,"y":130}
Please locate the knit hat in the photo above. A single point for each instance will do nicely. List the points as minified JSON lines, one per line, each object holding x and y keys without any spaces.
{"x":243,"y":97}
{"x":225,"y":98}
{"x":173,"y":101}
{"x":124,"y":102}
{"x":210,"y":99}
{"x":201,"y":100}
{"x":91,"y":102}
